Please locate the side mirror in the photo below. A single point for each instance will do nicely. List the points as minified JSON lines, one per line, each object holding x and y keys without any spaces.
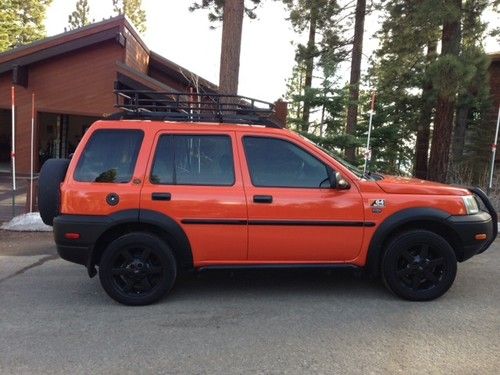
{"x":337,"y":181}
{"x":332,"y":178}
{"x":341,"y":183}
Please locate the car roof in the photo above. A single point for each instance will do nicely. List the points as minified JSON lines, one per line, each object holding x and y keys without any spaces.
{"x":155,"y":126}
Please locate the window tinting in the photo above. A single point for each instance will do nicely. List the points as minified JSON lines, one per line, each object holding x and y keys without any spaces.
{"x":193,"y":160}
{"x":277,"y":163}
{"x":110,"y":156}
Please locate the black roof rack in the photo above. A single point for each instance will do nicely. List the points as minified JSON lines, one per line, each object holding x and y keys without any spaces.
{"x":193,"y":107}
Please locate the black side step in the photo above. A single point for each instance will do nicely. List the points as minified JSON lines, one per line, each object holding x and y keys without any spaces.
{"x":257,"y":267}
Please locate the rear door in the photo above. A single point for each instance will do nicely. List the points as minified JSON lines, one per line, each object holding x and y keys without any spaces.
{"x":192,"y":179}
{"x":293,"y":214}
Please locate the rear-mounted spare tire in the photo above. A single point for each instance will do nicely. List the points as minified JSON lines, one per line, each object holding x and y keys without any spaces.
{"x":49,"y":192}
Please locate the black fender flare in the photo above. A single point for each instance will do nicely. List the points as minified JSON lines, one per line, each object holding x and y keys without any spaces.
{"x":132,"y":219}
{"x":182,"y":247}
{"x":428,"y":217}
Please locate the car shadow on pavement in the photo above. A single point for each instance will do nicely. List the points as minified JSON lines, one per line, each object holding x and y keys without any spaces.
{"x":272,"y":284}
{"x":268,"y":286}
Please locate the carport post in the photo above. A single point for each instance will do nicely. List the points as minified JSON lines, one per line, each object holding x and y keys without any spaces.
{"x":32,"y":145}
{"x":493,"y":153}
{"x":13,"y":150}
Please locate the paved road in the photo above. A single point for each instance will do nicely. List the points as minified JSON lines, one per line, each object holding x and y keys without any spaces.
{"x":53,"y":319}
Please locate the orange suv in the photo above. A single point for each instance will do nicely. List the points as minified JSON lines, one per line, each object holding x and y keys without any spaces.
{"x":163,"y":189}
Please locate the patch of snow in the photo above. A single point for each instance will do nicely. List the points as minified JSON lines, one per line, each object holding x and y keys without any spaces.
{"x":30,"y":222}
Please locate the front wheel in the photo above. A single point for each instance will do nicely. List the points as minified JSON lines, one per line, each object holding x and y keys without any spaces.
{"x":419,"y":265}
{"x":137,"y":269}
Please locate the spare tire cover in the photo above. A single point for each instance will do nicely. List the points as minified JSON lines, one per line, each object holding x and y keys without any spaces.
{"x":49,"y":193}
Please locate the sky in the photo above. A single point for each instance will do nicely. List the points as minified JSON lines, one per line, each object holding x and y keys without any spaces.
{"x":267,"y":52}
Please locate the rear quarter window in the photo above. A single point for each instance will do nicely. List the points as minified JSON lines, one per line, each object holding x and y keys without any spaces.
{"x":194,"y":160}
{"x":109,"y":156}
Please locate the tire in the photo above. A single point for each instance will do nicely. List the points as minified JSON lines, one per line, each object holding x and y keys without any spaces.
{"x":137,"y":269}
{"x":49,"y":188}
{"x":419,"y":265}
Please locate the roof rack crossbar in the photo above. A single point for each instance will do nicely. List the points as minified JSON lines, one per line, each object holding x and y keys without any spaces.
{"x":194,"y":107}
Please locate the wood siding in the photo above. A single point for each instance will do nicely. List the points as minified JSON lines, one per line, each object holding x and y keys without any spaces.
{"x":136,"y":56}
{"x":77,"y":83}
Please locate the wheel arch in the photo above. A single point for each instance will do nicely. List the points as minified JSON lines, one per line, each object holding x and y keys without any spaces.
{"x":147,"y":221}
{"x":431,"y":219}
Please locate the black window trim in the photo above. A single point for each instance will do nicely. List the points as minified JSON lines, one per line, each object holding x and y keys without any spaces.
{"x":288,"y":141}
{"x":87,"y":145}
{"x":171,"y":135}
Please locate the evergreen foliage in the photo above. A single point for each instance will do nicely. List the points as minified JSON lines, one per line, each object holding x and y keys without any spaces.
{"x":80,"y":16}
{"x":21,"y":22}
{"x":215,"y":8}
{"x":324,"y":50}
{"x":133,"y":10}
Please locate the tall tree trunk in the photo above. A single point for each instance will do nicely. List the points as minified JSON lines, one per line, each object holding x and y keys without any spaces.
{"x":424,"y":123}
{"x":445,"y":107}
{"x":459,"y":133}
{"x":357,"y":50}
{"x":231,"y":45}
{"x":311,"y":46}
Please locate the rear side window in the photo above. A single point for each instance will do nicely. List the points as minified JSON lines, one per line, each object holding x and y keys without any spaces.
{"x":110,"y":156}
{"x":193,"y":160}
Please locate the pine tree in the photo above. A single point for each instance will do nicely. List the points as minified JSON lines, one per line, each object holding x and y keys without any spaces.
{"x":232,"y":28}
{"x":411,"y":78}
{"x":231,"y":12}
{"x":324,"y":49}
{"x":357,"y":50}
{"x":8,"y":25}
{"x":133,"y":10}
{"x":80,"y":16}
{"x":473,"y":133}
{"x":21,"y":22}
{"x":215,"y":8}
{"x":408,"y":41}
{"x":295,"y":96}
{"x":447,"y":71}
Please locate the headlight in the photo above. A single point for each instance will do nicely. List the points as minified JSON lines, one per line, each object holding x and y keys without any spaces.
{"x":470,"y":204}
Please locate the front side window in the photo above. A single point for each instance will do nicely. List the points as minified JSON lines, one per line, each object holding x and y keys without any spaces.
{"x":193,"y":160}
{"x":277,"y":163}
{"x":110,"y":156}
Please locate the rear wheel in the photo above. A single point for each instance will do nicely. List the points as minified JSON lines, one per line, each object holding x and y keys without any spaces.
{"x":137,"y":269}
{"x":419,"y":265}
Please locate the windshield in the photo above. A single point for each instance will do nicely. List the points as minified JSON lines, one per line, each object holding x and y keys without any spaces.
{"x":345,"y":163}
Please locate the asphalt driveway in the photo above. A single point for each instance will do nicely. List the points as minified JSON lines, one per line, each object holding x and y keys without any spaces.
{"x":54,"y":319}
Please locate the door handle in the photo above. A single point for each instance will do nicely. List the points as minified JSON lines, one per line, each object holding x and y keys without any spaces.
{"x":161,"y":196}
{"x":263,"y":198}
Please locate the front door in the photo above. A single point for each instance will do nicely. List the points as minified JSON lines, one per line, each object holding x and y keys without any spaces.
{"x":192,"y":180}
{"x":293,"y":213}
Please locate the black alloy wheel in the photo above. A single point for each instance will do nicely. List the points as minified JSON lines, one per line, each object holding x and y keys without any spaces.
{"x":419,"y":265}
{"x":137,"y":269}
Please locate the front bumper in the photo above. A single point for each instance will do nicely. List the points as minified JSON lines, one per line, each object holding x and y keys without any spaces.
{"x":467,"y":227}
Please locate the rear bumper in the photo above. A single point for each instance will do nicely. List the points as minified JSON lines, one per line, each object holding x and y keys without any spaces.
{"x":89,"y":229}
{"x":75,"y":254}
